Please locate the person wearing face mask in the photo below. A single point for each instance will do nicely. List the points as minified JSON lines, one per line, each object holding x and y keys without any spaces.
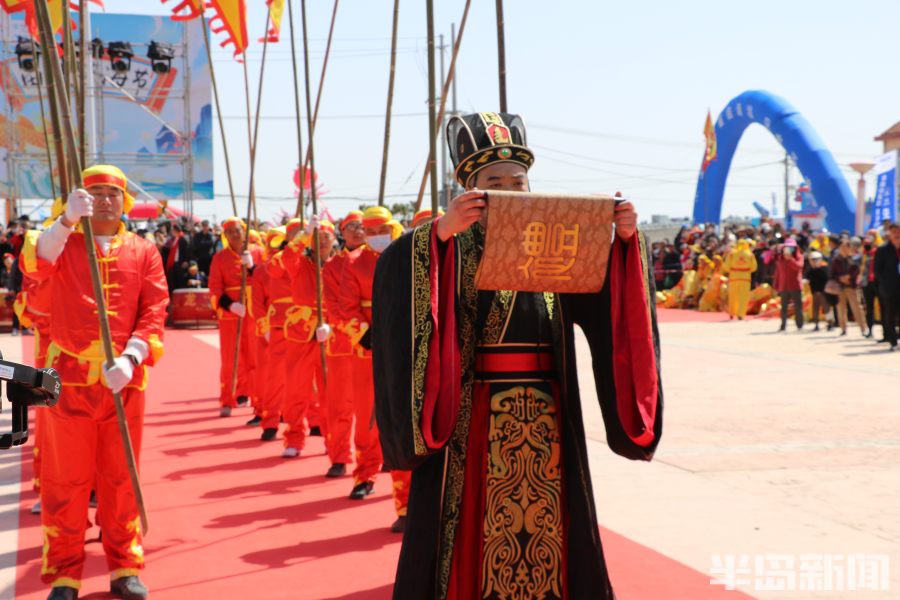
{"x":225,"y":295}
{"x":356,"y":307}
{"x":339,"y":390}
{"x":477,"y":391}
{"x":305,"y":371}
{"x":81,"y":443}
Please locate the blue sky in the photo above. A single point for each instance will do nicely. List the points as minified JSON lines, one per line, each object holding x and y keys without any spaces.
{"x":614,"y":93}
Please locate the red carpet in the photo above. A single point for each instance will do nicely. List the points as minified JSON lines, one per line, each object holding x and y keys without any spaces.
{"x":230,"y":518}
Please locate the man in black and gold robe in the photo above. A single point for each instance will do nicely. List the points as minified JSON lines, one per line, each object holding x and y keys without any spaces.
{"x":477,"y":392}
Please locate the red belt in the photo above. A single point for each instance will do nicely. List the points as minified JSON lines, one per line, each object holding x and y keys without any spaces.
{"x":512,"y":365}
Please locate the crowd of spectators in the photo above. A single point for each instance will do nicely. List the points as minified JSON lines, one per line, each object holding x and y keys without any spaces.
{"x":814,"y":275}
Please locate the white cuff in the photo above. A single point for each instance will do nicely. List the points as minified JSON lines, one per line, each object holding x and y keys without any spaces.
{"x":137,"y":348}
{"x":51,"y":242}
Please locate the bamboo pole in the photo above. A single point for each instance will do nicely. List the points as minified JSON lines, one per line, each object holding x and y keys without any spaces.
{"x":84,"y":56}
{"x":312,"y":188}
{"x":501,"y":55}
{"x":315,"y":115}
{"x":74,"y":167}
{"x":215,"y":90}
{"x":44,"y":119}
{"x":432,"y":127}
{"x":390,"y":102}
{"x":251,"y":196}
{"x":300,"y":212}
{"x":437,"y":123}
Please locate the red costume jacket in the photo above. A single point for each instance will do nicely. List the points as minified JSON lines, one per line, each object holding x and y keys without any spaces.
{"x":136,"y":296}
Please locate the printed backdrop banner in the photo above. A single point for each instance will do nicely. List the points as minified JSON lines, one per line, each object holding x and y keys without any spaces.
{"x":162,"y":138}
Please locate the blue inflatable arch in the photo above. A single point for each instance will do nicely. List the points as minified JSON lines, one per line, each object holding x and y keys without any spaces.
{"x":798,"y":138}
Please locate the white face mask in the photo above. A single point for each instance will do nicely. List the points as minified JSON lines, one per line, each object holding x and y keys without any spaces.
{"x":378,"y":243}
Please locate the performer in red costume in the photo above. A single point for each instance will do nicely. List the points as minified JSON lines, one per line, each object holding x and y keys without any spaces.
{"x":225,"y":294}
{"x":81,"y":444}
{"x":356,"y":307}
{"x":32,"y":305}
{"x":269,"y":374}
{"x":477,"y":391}
{"x":340,"y":389}
{"x":304,"y":359}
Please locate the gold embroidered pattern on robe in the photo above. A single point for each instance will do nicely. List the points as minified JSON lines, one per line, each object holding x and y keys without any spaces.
{"x":523,"y":537}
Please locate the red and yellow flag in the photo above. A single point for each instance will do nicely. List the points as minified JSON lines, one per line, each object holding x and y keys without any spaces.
{"x":229,"y":17}
{"x":709,"y":131}
{"x":185,"y":10}
{"x":276,"y":12}
{"x":56,"y":12}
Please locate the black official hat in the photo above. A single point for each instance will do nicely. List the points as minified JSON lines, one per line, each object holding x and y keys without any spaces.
{"x":481,"y":139}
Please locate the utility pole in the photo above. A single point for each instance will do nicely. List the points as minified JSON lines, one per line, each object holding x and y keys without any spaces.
{"x":445,"y":190}
{"x":787,"y":186}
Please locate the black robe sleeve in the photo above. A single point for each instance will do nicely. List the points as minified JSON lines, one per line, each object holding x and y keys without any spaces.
{"x":592,"y":312}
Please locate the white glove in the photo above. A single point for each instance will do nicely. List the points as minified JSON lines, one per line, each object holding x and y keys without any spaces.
{"x":312,"y":224}
{"x":323,"y":332}
{"x":268,"y":336}
{"x":247,"y":259}
{"x":79,"y":204}
{"x":238,"y":309}
{"x":117,"y":377}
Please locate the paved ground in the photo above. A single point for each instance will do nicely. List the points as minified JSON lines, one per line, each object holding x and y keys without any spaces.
{"x":779,"y":444}
{"x":777,"y":448}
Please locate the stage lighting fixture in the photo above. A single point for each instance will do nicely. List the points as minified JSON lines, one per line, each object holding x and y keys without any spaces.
{"x":120,"y":55}
{"x":161,"y":55}
{"x":27,"y":53}
{"x":97,"y":48}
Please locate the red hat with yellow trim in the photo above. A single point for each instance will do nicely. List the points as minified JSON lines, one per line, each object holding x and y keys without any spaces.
{"x":424,"y":216}
{"x":233,"y":222}
{"x":292,"y":225}
{"x":112,"y":176}
{"x":275,"y":236}
{"x":376,"y":216}
{"x":354,"y":216}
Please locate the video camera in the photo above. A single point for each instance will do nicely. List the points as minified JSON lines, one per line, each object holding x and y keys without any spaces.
{"x":26,"y":386}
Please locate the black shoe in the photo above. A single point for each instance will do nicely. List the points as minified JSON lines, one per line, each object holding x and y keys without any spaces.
{"x":315,"y":431}
{"x":241,"y":400}
{"x":868,"y":334}
{"x":269,"y":434}
{"x":337,"y":470}
{"x":783,"y":327}
{"x":63,"y":593}
{"x":816,"y":328}
{"x":883,"y":341}
{"x":256,"y":420}
{"x":843,"y":333}
{"x":129,"y":588}
{"x":361,"y":490}
{"x":399,"y":526}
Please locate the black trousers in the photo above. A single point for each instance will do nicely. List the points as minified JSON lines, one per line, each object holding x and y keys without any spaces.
{"x":870,"y":293}
{"x":797,"y":298}
{"x":890,"y":313}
